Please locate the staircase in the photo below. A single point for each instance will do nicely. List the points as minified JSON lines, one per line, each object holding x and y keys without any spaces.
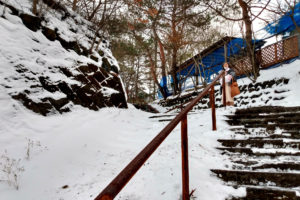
{"x":265,"y":152}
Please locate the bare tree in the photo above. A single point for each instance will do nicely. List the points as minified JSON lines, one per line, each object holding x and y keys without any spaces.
{"x":34,"y":6}
{"x":220,"y":7}
{"x":74,"y":5}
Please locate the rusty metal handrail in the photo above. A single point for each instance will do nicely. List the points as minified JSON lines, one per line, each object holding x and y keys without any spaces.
{"x":116,"y":185}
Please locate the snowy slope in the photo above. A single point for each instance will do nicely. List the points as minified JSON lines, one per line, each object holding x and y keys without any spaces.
{"x":75,"y":155}
{"x":84,"y":150}
{"x":50,"y":73}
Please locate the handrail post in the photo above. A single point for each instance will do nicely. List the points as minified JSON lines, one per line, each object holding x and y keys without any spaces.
{"x":213,"y":107}
{"x":185,"y":159}
{"x":276,"y":56}
{"x":224,"y":90}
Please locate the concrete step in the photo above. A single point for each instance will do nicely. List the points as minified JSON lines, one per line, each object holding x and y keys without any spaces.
{"x":260,"y":143}
{"x":284,"y":135}
{"x":264,"y":161}
{"x":286,"y":180}
{"x":268,"y":193}
{"x":249,"y":151}
{"x":263,"y":121}
{"x":267,"y":109}
{"x":264,"y":115}
{"x":278,"y":166}
{"x":285,"y":126}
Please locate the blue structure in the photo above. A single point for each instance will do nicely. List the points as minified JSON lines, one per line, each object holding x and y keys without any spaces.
{"x":285,"y":23}
{"x":209,"y":62}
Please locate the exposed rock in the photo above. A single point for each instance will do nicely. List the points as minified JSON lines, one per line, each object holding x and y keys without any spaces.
{"x":79,"y":83}
{"x":47,"y":85}
{"x":86,"y":69}
{"x":101,"y":53}
{"x":49,"y":33}
{"x":145,"y":107}
{"x":257,"y":89}
{"x":94,"y":58}
{"x":31,"y":22}
{"x":105,"y":64}
{"x":42,"y":108}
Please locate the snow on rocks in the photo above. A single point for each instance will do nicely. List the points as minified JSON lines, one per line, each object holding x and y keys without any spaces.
{"x":44,"y":62}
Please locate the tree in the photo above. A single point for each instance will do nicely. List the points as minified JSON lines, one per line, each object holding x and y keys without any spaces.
{"x":242,"y":9}
{"x":34,"y":6}
{"x":181,"y":18}
{"x":74,"y":5}
{"x":280,"y":9}
{"x":168,"y":23}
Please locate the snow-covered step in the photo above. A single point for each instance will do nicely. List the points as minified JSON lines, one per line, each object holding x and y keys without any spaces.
{"x":160,"y":116}
{"x":268,"y":193}
{"x":278,"y":166}
{"x":264,"y":115}
{"x":260,"y":151}
{"x":267,"y":143}
{"x":287,"y":180}
{"x":268,"y":110}
{"x":285,"y":126}
{"x":263,"y":120}
{"x":265,"y":151}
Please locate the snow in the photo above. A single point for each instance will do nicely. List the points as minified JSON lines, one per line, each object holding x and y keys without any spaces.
{"x":24,"y":49}
{"x":84,"y":150}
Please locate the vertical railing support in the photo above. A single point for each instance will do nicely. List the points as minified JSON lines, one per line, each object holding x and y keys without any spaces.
{"x":224,"y":90}
{"x":276,"y":56}
{"x":213,"y":107}
{"x":185,"y":159}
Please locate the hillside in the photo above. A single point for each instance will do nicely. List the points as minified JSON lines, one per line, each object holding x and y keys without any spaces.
{"x":46,"y":64}
{"x":57,"y":144}
{"x":76,"y":155}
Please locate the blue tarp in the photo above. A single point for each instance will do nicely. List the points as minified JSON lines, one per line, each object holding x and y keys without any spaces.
{"x":285,"y":23}
{"x":210,"y":64}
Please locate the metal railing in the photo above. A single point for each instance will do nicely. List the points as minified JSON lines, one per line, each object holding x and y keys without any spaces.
{"x":116,"y":185}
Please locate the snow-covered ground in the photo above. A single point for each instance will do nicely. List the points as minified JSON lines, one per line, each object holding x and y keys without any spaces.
{"x":84,"y":150}
{"x":75,"y":155}
{"x":27,"y":57}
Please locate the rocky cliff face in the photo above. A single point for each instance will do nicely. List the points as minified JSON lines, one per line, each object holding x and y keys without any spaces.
{"x":45,"y":62}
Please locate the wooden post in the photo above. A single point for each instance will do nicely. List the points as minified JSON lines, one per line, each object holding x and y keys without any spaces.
{"x":224,"y":90}
{"x":185,"y":159}
{"x":213,"y":108}
{"x":276,"y":57}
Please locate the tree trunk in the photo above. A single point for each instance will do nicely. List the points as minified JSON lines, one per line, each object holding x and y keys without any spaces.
{"x":174,"y":72}
{"x":137,"y":80}
{"x":161,"y":55}
{"x":174,"y":48}
{"x":152,"y":70}
{"x":74,"y":6}
{"x":95,"y":11}
{"x":34,"y":6}
{"x":248,"y":37}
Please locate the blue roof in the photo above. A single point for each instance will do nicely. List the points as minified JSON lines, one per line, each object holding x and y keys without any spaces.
{"x":212,"y":62}
{"x":211,"y":58}
{"x":285,"y":23}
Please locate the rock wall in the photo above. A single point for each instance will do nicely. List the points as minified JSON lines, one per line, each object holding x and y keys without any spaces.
{"x":52,"y":73}
{"x":261,"y":93}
